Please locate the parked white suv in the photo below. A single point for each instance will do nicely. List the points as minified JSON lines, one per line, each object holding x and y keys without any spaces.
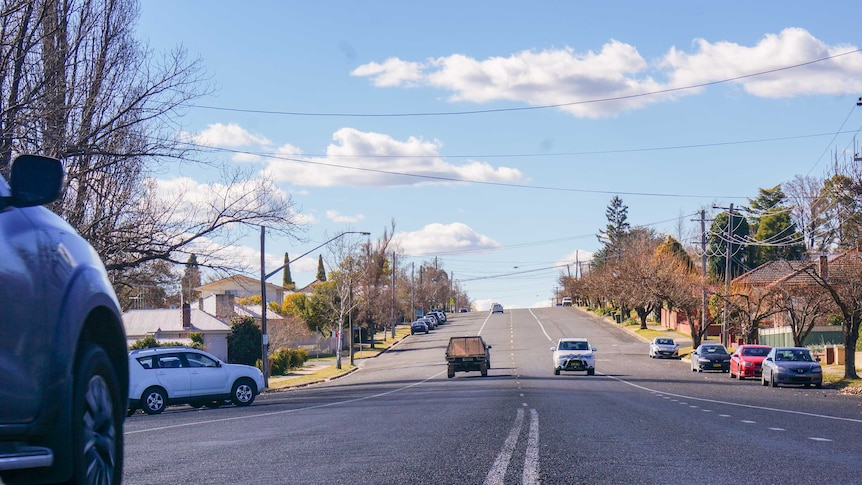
{"x":574,"y":354}
{"x":183,"y":375}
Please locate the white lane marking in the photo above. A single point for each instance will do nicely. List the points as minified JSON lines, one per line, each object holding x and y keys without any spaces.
{"x":776,"y":429}
{"x":728,"y":403}
{"x":286,"y":411}
{"x":498,"y":470}
{"x":748,"y":421}
{"x":541,"y":326}
{"x":814,"y":438}
{"x":531,"y":461}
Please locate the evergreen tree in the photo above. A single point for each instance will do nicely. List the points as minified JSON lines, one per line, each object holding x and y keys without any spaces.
{"x":741,"y":254}
{"x":244,"y":345}
{"x":286,"y":279}
{"x":321,"y":272}
{"x":191,"y":279}
{"x":617,"y":228}
{"x":774,"y":228}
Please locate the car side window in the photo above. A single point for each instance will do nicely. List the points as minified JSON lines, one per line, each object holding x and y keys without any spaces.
{"x":199,"y":360}
{"x":170,"y":361}
{"x":146,"y":362}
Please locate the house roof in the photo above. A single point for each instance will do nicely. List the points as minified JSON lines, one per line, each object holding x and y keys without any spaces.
{"x":309,"y":288}
{"x":139,"y":323}
{"x":845,"y":263}
{"x":251,"y":285}
{"x":770,"y":272}
{"x":254,"y":311}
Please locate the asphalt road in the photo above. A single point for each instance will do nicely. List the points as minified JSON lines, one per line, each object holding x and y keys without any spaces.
{"x":399,"y":420}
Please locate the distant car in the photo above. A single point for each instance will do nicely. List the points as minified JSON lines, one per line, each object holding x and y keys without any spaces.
{"x":463,"y":310}
{"x":663,"y":348}
{"x":182,"y":375}
{"x":574,"y":354}
{"x":710,"y":357}
{"x":431,"y":320}
{"x":567,"y":301}
{"x":496,"y":308}
{"x":418,"y":326}
{"x":791,"y":365}
{"x":747,"y":359}
{"x":64,"y":378}
{"x":441,"y":316}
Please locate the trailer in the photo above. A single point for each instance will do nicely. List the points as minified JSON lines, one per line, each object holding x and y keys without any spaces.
{"x":465,"y":354}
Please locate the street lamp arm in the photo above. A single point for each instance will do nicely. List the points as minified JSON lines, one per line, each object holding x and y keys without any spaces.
{"x":273,"y":272}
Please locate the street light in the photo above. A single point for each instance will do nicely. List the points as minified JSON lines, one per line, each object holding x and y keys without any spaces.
{"x":265,"y":276}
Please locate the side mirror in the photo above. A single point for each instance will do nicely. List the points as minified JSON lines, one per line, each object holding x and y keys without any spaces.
{"x":35,"y":180}
{"x":595,"y":349}
{"x":489,"y":347}
{"x":817,"y":358}
{"x":553,"y":349}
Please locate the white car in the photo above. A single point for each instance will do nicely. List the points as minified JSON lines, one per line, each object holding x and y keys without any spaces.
{"x":663,"y":347}
{"x":183,"y":375}
{"x":574,"y":354}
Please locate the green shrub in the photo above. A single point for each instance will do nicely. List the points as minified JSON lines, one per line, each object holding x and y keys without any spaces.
{"x":284,"y":359}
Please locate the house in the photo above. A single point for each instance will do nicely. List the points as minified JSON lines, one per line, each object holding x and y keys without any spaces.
{"x":241,"y":287}
{"x":176,"y":325}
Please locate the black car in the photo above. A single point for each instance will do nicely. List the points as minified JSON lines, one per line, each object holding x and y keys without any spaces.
{"x":418,"y":326}
{"x":710,"y":357}
{"x":64,"y":373}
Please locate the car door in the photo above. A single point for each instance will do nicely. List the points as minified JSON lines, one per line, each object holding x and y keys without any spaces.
{"x":173,"y":375}
{"x":207,"y":375}
{"x":26,"y":332}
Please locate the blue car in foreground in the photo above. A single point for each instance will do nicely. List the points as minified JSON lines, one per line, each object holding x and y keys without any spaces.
{"x":64,"y":375}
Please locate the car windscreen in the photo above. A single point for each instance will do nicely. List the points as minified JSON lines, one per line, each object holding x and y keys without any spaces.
{"x":755,"y":352}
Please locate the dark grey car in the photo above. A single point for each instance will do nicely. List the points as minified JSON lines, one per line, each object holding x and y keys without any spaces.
{"x":791,"y":365}
{"x":710,"y":357}
{"x":63,"y":365}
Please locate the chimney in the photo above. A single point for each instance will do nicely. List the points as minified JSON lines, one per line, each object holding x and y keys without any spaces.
{"x":224,"y":306}
{"x":187,"y":315}
{"x":823,"y":267}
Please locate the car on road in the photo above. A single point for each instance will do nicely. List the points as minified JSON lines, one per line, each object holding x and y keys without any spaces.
{"x":432,"y":320}
{"x":441,"y":316}
{"x":710,"y":357}
{"x":567,"y":301}
{"x":791,"y":365}
{"x":463,"y":310}
{"x":663,"y":348}
{"x":496,"y":308}
{"x":574,"y":354}
{"x":419,"y":326}
{"x":747,"y":359}
{"x":63,"y":370}
{"x":162,"y":376}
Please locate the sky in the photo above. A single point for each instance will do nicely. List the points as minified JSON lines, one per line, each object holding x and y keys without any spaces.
{"x":495,"y":133}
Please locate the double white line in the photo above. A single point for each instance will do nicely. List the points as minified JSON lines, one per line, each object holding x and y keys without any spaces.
{"x":531,"y":459}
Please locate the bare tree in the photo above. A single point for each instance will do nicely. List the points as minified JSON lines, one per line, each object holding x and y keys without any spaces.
{"x":76,"y":85}
{"x":804,"y":307}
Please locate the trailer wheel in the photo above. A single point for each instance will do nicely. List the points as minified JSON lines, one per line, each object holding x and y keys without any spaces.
{"x":451,"y":371}
{"x":484,"y":370}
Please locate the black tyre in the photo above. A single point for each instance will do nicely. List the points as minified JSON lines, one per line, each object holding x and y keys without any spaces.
{"x":774,"y":384}
{"x":97,"y":420}
{"x":243,"y":392}
{"x":556,"y":371}
{"x":154,"y":400}
{"x":591,"y":372}
{"x":450,"y":372}
{"x":484,"y":371}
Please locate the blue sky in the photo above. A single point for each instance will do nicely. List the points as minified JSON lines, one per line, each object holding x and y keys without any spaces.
{"x":495,"y":134}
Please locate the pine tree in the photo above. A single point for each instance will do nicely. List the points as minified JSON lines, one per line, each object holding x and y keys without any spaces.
{"x":321,"y":272}
{"x":286,"y":279}
{"x":191,"y":279}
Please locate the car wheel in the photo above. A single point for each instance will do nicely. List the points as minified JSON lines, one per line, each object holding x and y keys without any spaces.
{"x":772,"y":379}
{"x":740,"y":376}
{"x":556,"y":371}
{"x":154,"y":400}
{"x":591,"y":372}
{"x":450,"y":372}
{"x":484,"y":371}
{"x":818,"y":385}
{"x":242,"y":393}
{"x":97,"y":430}
{"x":412,"y":332}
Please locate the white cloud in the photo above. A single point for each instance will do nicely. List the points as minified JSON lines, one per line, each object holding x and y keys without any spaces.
{"x":358,"y":158}
{"x":335,"y":216}
{"x":229,"y":135}
{"x":437,"y":238}
{"x":726,"y":60}
{"x":562,"y":76}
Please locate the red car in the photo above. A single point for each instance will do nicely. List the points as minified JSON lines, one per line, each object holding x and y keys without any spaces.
{"x":747,"y":359}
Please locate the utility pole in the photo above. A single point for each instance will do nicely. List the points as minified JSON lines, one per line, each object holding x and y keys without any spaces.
{"x":703,"y":308}
{"x":727,"y":274}
{"x":394,"y":279}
